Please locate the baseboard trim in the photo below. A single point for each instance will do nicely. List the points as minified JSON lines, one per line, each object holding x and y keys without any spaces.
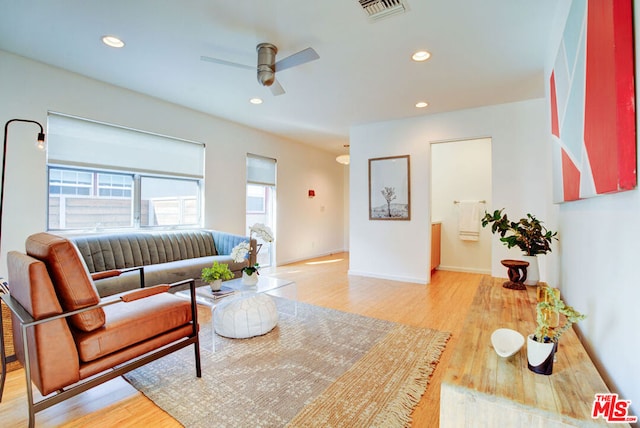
{"x":464,"y":269}
{"x":423,"y":281}
{"x":329,"y":253}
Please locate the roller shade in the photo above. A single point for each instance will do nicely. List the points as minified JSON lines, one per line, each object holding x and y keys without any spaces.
{"x":261,"y":170}
{"x":75,"y":141}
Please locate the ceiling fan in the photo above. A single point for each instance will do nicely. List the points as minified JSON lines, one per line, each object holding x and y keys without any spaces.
{"x":267,"y":65}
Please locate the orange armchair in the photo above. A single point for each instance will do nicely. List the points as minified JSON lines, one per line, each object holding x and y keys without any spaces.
{"x":68,"y":340}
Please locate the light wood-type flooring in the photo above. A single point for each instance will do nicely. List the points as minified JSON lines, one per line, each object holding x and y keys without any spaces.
{"x":441,"y":305}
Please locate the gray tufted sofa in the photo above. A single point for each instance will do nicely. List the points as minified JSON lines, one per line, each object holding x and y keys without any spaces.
{"x":167,"y":256}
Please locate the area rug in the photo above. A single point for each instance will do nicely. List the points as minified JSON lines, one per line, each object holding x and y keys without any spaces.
{"x":321,"y":368}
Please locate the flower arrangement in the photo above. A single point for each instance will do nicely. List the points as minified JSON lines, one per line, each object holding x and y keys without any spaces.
{"x":528,"y":233}
{"x":241,"y":251}
{"x":263,"y":231}
{"x":216,"y":271}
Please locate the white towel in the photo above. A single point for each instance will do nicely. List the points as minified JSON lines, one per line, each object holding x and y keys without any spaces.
{"x":469,"y":220}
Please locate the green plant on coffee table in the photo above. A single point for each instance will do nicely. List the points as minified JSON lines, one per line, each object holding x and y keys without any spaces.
{"x":216,"y":271}
{"x":545,"y":332}
{"x":528,"y":233}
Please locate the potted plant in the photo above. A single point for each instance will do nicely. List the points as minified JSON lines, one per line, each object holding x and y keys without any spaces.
{"x":215,"y":274}
{"x":241,"y":252}
{"x":250,"y":274}
{"x":528,"y":234}
{"x":543,"y":343}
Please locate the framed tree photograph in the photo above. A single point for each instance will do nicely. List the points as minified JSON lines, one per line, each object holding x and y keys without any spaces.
{"x":389,"y":188}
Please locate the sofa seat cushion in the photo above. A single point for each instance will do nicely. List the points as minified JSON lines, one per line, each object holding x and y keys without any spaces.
{"x":163,"y":273}
{"x":245,"y":316}
{"x":167,"y":273}
{"x":149,"y":317}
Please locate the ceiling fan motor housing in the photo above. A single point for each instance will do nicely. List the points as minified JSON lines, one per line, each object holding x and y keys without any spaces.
{"x":266,"y":63}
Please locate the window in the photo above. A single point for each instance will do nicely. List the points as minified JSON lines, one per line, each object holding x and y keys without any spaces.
{"x":114,"y":185}
{"x":256,"y":199}
{"x":63,"y":182}
{"x":261,"y":201}
{"x":111,"y":203}
{"x":107,"y":177}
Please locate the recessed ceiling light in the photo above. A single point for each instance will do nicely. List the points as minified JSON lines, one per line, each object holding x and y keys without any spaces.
{"x":255,"y":100}
{"x":112,"y":41}
{"x":422,"y":104}
{"x":421,"y":56}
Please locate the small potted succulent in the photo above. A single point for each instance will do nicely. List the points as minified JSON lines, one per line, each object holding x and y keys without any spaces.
{"x":543,"y":343}
{"x":528,"y":234}
{"x":215,"y":274}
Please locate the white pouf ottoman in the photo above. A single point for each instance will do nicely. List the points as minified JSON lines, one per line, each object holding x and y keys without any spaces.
{"x":243,"y":317}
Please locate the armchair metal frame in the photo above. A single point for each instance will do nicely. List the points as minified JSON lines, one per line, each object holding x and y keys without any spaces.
{"x":27,"y":321}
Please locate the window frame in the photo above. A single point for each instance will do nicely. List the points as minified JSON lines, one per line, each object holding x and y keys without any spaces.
{"x":136,"y":196}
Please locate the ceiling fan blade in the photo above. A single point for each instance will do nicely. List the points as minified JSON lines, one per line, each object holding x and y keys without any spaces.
{"x":276,"y":88}
{"x":298,"y":58}
{"x":223,"y":62}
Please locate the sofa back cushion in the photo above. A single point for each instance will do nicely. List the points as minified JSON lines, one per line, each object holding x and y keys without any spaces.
{"x":125,"y":250}
{"x":73,"y":284}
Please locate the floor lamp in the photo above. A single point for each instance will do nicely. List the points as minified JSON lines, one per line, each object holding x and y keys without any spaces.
{"x":39,"y":144}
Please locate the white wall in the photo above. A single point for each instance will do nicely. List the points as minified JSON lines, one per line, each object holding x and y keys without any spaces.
{"x":461,"y":170}
{"x":600,"y":246}
{"x":400,"y":249}
{"x":306,"y":227}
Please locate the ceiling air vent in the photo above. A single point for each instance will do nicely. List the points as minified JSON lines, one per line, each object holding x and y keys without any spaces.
{"x":378,"y":9}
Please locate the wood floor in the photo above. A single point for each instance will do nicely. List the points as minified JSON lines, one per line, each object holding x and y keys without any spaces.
{"x":441,"y":305}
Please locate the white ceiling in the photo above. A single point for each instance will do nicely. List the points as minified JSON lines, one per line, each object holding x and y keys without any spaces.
{"x":484,"y":52}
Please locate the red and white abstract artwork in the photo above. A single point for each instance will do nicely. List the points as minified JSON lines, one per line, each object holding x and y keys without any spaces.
{"x":592,"y":94}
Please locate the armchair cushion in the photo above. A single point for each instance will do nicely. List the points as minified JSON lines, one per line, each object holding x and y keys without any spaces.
{"x":128,"y":323}
{"x":68,"y":271}
{"x":32,"y":288}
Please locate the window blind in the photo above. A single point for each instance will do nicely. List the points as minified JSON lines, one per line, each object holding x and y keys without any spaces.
{"x":261,"y":170}
{"x":75,"y":141}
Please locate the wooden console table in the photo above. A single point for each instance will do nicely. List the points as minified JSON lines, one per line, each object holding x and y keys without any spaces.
{"x":481,"y":389}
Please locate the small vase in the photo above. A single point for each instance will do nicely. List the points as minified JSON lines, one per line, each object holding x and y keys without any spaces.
{"x":540,"y":356}
{"x":249,"y":279}
{"x":216,"y":285}
{"x":533,"y":272}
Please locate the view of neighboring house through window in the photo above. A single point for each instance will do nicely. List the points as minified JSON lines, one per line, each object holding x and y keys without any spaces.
{"x":85,"y":199}
{"x":169,"y":202}
{"x":107,"y":177}
{"x":261,"y":198}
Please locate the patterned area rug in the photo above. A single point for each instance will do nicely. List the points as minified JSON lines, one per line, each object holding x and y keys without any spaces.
{"x":322,"y":368}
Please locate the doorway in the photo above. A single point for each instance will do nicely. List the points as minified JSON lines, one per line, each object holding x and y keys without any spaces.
{"x":461,"y":175}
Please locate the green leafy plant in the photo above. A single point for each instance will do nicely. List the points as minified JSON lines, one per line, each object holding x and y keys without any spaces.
{"x":551,"y":303}
{"x":216,"y":271}
{"x":528,"y":233}
{"x":249,"y":270}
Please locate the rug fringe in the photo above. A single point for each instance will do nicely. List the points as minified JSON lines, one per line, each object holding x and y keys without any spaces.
{"x":360,"y":389}
{"x":398,"y":413}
